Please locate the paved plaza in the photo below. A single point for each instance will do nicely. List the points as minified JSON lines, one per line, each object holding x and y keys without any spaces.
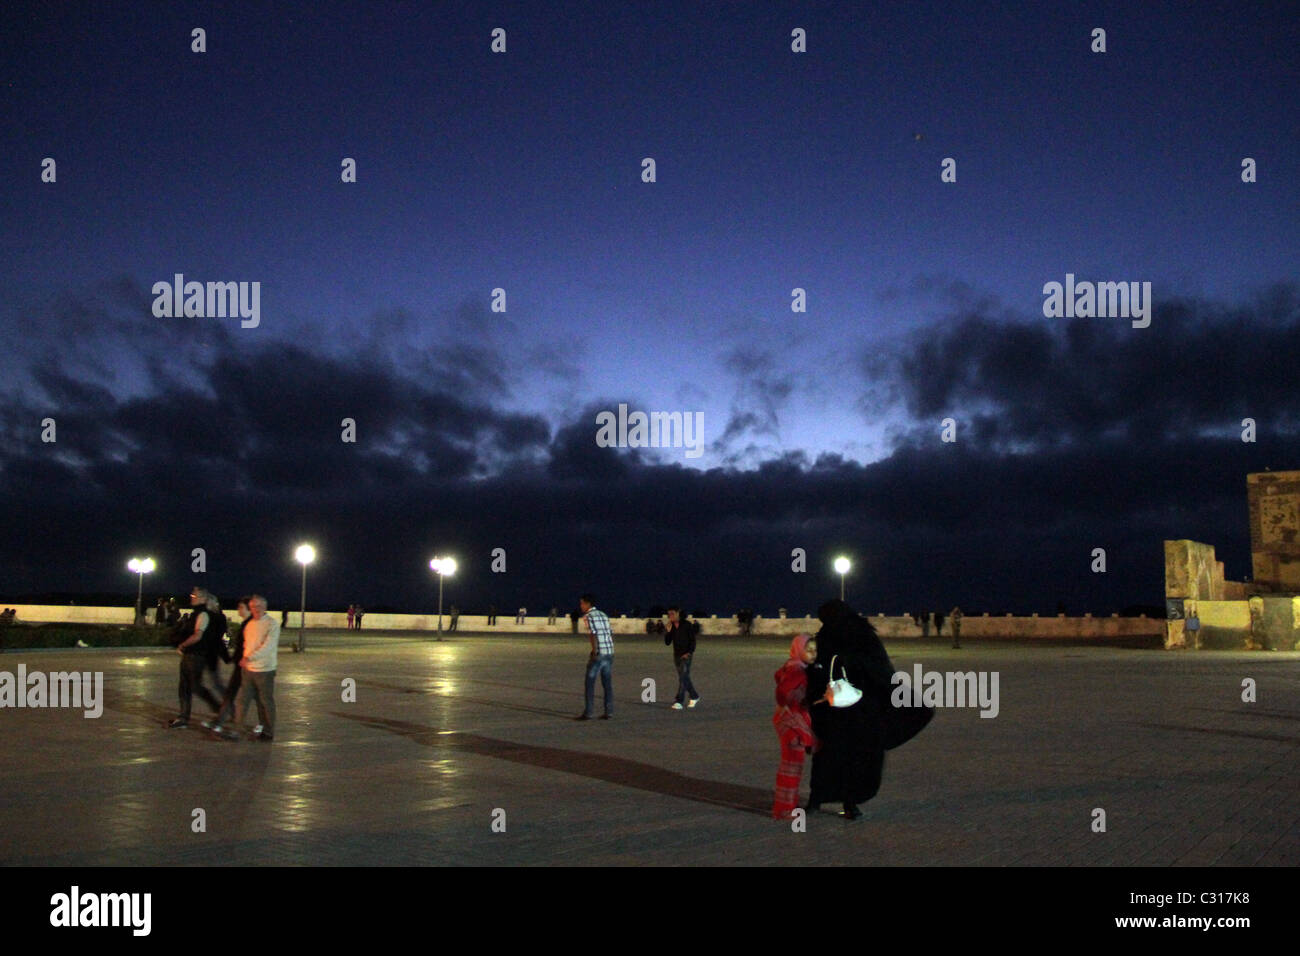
{"x":443,"y":736}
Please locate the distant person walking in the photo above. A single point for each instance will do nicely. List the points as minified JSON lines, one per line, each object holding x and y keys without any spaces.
{"x":454,"y":612}
{"x":793,"y":724}
{"x":160,"y":613}
{"x":938,"y":623}
{"x":601,"y":661}
{"x":573,"y":621}
{"x":956,"y":627}
{"x":261,"y":647}
{"x":352,"y":616}
{"x":199,"y":652}
{"x":925,"y":624}
{"x":523,"y":613}
{"x":555,"y":612}
{"x":745,"y":618}
{"x":681,"y":635}
{"x":492,"y":615}
{"x":361,"y":612}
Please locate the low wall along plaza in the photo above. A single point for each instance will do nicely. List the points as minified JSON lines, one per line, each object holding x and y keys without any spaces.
{"x":889,"y":627}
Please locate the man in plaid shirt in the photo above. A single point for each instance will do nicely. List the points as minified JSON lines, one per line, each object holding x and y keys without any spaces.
{"x":602,"y":657}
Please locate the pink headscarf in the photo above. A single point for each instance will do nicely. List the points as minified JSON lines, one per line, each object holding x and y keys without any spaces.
{"x":797,"y":648}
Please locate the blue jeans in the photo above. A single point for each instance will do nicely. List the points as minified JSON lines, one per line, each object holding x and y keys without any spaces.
{"x":684,"y":685}
{"x":604,"y":666}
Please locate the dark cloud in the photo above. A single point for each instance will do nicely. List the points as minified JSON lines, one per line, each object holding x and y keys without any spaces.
{"x":1033,"y":385}
{"x":1072,"y":436}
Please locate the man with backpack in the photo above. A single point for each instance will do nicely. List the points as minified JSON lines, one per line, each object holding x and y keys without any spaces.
{"x":681,"y":634}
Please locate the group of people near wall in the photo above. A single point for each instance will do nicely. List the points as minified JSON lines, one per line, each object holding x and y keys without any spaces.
{"x":166,"y":613}
{"x":202,"y":641}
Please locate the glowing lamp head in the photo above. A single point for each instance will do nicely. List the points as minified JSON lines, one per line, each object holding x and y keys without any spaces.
{"x":842,"y":565}
{"x":443,"y":566}
{"x":305,"y":554}
{"x":141,"y":565}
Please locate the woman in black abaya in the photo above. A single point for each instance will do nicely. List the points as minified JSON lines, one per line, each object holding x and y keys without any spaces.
{"x":848,"y":767}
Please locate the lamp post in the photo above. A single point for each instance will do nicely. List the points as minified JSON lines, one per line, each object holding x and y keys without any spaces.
{"x":842,"y":567}
{"x":140,"y":566}
{"x":443,"y":567}
{"x":305,"y":555}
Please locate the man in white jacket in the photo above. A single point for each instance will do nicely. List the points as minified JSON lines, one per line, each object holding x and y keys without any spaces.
{"x":261,"y":645}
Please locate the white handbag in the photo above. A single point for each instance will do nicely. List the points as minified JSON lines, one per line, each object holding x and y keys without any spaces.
{"x":840,"y":693}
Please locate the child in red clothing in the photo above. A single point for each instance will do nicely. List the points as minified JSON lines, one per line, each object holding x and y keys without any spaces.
{"x":793,"y":724}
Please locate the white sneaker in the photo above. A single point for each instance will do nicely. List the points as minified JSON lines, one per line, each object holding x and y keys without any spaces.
{"x":676,"y":705}
{"x":257,"y":729}
{"x":692,"y":702}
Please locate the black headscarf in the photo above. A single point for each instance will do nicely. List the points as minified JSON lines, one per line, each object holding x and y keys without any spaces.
{"x":861,"y":657}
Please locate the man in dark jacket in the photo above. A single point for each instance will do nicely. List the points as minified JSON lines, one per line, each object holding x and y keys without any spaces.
{"x":680,"y":634}
{"x":851,"y":761}
{"x":199,"y":652}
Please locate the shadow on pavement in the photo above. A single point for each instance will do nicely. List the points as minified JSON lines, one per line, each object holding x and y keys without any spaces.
{"x":617,"y":770}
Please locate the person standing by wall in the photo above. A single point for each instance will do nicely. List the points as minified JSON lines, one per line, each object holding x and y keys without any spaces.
{"x":1193,"y":626}
{"x":956,"y":627}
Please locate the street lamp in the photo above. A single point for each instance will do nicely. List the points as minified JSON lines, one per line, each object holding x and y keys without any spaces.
{"x":140,"y":566}
{"x":443,"y":567}
{"x":305,"y":555}
{"x":842,"y":568}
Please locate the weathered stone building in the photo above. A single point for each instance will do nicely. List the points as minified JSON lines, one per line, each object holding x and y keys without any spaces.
{"x":1263,"y":614}
{"x":1274,"y":498}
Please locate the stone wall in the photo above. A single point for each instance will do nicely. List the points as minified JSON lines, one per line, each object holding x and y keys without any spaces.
{"x":1194,"y":576}
{"x":1274,"y":499}
{"x":891,"y":627}
{"x":1193,"y":572}
{"x":1265,"y":622}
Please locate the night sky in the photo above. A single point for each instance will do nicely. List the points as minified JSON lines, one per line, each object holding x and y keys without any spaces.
{"x":775,"y":170}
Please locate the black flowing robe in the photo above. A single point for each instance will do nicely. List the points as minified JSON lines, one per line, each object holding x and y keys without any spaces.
{"x":849,"y":765}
